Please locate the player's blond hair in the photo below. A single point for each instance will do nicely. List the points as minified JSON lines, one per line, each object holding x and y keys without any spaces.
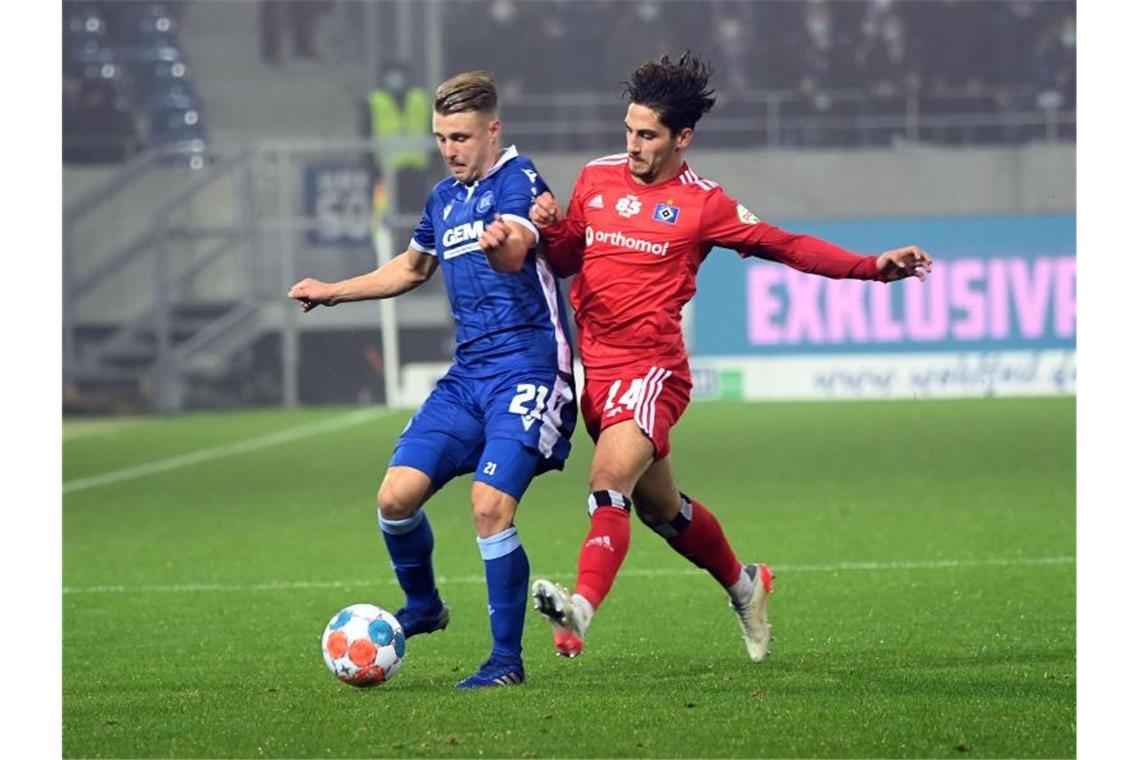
{"x":469,"y":91}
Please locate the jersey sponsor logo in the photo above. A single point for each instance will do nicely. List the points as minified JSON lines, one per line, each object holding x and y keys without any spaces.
{"x":746,"y":216}
{"x":484,"y":203}
{"x":666,"y":213}
{"x":597,"y":202}
{"x":462,"y":233}
{"x":628,"y":206}
{"x":622,"y":240}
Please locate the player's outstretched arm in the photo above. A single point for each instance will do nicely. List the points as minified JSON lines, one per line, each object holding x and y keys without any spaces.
{"x":728,"y":223}
{"x":909,"y":261}
{"x":404,"y":272}
{"x":506,"y":244}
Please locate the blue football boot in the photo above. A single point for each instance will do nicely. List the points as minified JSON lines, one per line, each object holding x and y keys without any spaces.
{"x":497,"y":671}
{"x":415,"y":622}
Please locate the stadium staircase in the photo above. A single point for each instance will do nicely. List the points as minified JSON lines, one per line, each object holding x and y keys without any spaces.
{"x":174,"y":344}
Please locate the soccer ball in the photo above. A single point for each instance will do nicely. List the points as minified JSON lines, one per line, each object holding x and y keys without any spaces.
{"x":363,"y":645}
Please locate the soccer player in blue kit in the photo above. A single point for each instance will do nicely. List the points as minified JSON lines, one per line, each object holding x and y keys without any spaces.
{"x":506,"y":408}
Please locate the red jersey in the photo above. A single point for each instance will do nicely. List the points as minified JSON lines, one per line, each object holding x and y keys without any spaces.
{"x":637,"y":249}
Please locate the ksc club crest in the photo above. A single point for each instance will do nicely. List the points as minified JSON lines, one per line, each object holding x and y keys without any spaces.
{"x":484,"y":203}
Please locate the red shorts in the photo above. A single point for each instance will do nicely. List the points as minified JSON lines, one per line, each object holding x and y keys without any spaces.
{"x":653,"y":397}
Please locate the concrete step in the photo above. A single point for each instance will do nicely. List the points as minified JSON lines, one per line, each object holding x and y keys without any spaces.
{"x":248,"y":98}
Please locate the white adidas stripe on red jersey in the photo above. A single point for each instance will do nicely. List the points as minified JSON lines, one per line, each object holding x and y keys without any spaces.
{"x":610,"y":160}
{"x":689,"y":177}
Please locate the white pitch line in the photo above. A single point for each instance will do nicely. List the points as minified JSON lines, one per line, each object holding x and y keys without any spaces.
{"x":194,"y":588}
{"x":228,"y":450}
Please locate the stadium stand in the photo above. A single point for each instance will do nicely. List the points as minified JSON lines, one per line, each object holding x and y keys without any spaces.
{"x":829,"y":73}
{"x":127,"y":84}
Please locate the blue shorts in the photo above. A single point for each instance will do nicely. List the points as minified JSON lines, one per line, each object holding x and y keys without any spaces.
{"x":506,"y":429}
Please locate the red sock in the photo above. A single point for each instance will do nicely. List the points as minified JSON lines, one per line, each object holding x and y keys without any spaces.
{"x":602,"y":553}
{"x":702,"y":542}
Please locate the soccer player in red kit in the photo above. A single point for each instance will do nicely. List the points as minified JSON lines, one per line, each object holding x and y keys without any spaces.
{"x":636,"y":229}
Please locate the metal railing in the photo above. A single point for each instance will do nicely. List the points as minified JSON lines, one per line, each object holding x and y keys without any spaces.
{"x":164,"y":221}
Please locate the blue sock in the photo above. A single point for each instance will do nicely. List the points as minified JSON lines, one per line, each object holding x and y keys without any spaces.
{"x":508,"y":572}
{"x":410,"y":543}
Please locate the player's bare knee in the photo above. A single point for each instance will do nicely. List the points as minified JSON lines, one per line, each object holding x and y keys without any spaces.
{"x":491,"y":518}
{"x":402,"y":492}
{"x":395,"y":503}
{"x":492,"y":510}
{"x":656,"y":495}
{"x":608,"y":478}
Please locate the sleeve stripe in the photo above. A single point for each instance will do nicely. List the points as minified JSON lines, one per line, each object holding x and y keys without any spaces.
{"x":524,"y":222}
{"x":421,"y":248}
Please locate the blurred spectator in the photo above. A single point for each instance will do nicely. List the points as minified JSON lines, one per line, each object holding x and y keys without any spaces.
{"x":823,"y":52}
{"x":732,"y":48}
{"x":816,"y":57}
{"x":1019,"y":24}
{"x":739,"y":55}
{"x":98,"y":126}
{"x":552,"y":51}
{"x":549,"y":48}
{"x":299,"y":16}
{"x":497,"y":43}
{"x":1055,"y":64}
{"x":691,"y":25}
{"x":400,"y":108}
{"x":805,"y":120}
{"x":397,"y":108}
{"x":882,"y":55}
{"x":948,"y":36}
{"x":639,"y":32}
{"x":487,"y":36}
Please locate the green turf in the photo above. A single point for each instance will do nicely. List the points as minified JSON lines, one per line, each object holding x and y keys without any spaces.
{"x":925,"y":600}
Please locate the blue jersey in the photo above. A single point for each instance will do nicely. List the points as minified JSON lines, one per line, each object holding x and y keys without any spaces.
{"x":502,"y":320}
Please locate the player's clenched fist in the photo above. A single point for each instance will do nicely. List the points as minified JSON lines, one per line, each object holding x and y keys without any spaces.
{"x":494,"y":235}
{"x":545,"y":210}
{"x":910,"y":261}
{"x":312,"y":293}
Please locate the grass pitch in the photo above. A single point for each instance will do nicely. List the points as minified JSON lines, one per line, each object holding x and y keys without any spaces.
{"x":924,"y":606}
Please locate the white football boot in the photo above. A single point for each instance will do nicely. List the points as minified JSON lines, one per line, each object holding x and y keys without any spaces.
{"x":570,"y":616}
{"x":753,"y":614}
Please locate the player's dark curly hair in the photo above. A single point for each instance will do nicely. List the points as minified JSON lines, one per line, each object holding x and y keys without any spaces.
{"x":678,"y":92}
